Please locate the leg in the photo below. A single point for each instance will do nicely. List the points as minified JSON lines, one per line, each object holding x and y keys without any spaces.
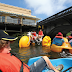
{"x":43,"y":62}
{"x":49,"y":63}
{"x":40,"y":64}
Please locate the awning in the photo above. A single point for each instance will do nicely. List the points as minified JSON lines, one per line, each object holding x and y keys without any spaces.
{"x":20,"y":15}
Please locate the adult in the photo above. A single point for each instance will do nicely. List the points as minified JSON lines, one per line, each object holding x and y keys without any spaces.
{"x":58,"y":39}
{"x":10,"y":63}
{"x":40,"y":34}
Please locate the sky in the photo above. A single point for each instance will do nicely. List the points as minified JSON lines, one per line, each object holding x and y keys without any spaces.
{"x":41,"y":8}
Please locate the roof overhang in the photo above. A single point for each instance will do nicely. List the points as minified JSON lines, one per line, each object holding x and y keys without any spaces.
{"x":15,"y":14}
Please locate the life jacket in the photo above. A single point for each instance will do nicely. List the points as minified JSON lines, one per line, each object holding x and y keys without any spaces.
{"x":34,"y":33}
{"x":40,"y":33}
{"x":70,"y":37}
{"x":10,"y":63}
{"x":59,"y":37}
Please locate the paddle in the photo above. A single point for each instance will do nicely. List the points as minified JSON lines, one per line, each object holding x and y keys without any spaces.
{"x":67,"y":69}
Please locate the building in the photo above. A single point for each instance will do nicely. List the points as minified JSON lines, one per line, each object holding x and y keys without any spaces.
{"x":12,"y":16}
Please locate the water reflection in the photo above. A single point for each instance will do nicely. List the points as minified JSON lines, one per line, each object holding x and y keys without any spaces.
{"x":37,"y":50}
{"x":54,"y":55}
{"x":24,"y":54}
{"x":46,"y":50}
{"x":33,"y":51}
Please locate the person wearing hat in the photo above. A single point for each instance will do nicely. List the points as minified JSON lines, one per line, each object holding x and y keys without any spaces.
{"x":58,"y":39}
{"x":10,"y":63}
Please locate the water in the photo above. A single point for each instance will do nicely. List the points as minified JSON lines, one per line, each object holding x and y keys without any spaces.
{"x":34,"y":51}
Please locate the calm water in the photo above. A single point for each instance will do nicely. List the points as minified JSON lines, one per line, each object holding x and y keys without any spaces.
{"x":33,"y":51}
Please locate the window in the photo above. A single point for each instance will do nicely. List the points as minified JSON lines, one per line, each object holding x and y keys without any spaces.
{"x":15,"y":20}
{"x":29,"y":22}
{"x":3,"y":18}
{"x":12,"y":20}
{"x":9,"y":19}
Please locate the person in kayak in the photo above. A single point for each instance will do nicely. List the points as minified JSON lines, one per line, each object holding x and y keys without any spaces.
{"x":70,"y":39}
{"x":40,"y":34}
{"x":58,"y":39}
{"x":34,"y":35}
{"x":10,"y":63}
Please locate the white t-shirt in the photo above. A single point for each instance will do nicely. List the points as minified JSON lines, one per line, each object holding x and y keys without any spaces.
{"x":70,"y":41}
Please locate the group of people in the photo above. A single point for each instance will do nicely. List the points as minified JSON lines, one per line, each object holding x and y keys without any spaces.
{"x":58,"y":39}
{"x":10,"y":63}
{"x":33,"y":36}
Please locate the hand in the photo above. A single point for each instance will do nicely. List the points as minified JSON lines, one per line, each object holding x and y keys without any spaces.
{"x":56,"y":70}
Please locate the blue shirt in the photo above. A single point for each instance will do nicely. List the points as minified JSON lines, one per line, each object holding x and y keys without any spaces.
{"x":58,"y":41}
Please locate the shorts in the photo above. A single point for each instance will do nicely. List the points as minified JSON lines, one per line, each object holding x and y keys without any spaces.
{"x":39,"y":65}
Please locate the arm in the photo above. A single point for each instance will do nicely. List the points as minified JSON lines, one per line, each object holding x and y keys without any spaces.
{"x":70,"y":41}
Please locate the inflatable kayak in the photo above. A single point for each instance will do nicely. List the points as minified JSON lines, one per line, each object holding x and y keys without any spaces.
{"x":65,"y":45}
{"x":46,"y":41}
{"x":55,"y":62}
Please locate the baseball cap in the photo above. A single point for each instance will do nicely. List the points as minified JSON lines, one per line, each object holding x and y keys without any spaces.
{"x":59,"y":33}
{"x":4,"y":36}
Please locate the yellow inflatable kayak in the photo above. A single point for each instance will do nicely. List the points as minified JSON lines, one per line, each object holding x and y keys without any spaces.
{"x":46,"y":41}
{"x":65,"y":45}
{"x":24,"y":42}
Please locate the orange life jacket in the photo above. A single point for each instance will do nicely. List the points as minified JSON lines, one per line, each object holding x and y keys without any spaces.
{"x":70,"y":37}
{"x":40,"y":33}
{"x":59,"y":37}
{"x":34,"y":33}
{"x":10,"y":63}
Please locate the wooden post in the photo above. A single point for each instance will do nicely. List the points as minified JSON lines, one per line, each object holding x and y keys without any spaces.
{"x":21,"y":29}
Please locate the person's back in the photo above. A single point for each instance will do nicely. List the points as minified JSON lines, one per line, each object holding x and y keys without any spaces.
{"x":58,"y":40}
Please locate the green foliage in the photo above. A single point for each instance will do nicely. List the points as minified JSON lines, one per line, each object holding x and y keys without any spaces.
{"x":68,"y":34}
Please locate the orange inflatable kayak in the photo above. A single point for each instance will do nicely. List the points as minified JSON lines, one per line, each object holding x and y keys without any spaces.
{"x":65,"y":45}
